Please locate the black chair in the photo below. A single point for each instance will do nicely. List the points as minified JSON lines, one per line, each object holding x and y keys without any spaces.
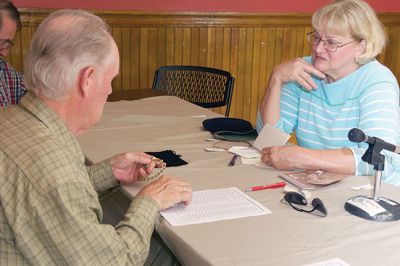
{"x":204,"y":86}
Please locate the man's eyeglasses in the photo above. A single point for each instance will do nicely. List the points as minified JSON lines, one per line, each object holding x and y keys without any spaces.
{"x":314,"y":38}
{"x":6,"y":44}
{"x":296,"y":198}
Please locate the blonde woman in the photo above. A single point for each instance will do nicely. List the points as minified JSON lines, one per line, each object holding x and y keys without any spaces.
{"x":339,"y":87}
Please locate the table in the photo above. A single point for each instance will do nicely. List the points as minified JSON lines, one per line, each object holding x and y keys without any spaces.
{"x":284,"y":237}
{"x":133,"y":94}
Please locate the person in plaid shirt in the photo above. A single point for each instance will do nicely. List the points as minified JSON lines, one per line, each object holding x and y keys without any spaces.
{"x":11,"y":83}
{"x":50,"y":212}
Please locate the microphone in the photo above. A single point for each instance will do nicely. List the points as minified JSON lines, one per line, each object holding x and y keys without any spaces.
{"x":361,"y":205}
{"x":357,"y":135}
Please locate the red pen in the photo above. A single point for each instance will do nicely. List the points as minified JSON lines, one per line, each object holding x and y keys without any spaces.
{"x":276,"y":185}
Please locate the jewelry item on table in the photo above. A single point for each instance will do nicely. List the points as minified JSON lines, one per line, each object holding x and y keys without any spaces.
{"x":226,"y":145}
{"x":160,"y":165}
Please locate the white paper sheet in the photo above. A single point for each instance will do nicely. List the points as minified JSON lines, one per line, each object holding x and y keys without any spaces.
{"x":270,"y":136}
{"x":214,"y":205}
{"x":331,"y":262}
{"x":252,"y":161}
{"x":245,"y":152}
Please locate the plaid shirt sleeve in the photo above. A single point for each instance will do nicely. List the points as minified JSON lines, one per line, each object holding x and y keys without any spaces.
{"x":101,"y":176}
{"x":11,"y":85}
{"x":61,"y":226}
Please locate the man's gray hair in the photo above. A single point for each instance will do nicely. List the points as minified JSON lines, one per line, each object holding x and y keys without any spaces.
{"x":60,"y":50}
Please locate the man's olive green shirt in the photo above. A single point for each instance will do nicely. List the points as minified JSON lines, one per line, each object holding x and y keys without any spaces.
{"x":49,"y":208}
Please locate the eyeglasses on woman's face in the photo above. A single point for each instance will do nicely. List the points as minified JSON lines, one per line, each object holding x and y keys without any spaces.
{"x":297,"y":201}
{"x":330,"y":45}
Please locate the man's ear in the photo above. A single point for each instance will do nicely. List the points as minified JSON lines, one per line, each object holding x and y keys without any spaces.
{"x":86,"y":80}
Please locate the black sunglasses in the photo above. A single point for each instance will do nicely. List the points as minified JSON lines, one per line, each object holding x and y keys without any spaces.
{"x":296,"y":198}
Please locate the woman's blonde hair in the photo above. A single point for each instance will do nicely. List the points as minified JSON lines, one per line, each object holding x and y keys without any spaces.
{"x":354,"y":17}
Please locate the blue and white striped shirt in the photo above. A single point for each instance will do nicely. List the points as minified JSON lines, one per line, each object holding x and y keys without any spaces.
{"x":368,"y":99}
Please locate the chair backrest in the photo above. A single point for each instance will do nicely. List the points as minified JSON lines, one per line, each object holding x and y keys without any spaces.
{"x":204,"y":86}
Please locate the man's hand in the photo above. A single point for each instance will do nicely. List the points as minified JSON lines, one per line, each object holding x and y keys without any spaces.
{"x":168,"y":191}
{"x":128,"y":167}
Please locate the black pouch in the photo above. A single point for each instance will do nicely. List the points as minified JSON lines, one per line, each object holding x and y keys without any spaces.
{"x":232,"y":129}
{"x":169,"y":157}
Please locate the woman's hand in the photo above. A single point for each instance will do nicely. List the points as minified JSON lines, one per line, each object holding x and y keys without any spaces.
{"x":281,"y":157}
{"x":340,"y":161}
{"x":297,"y":70}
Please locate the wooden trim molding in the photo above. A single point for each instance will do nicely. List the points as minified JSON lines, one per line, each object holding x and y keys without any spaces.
{"x":33,"y":17}
{"x":246,"y":44}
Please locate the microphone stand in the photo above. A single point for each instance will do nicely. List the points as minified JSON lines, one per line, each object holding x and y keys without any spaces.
{"x":374,"y":208}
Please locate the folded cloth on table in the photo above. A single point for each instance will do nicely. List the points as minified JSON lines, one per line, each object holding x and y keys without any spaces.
{"x":169,"y":157}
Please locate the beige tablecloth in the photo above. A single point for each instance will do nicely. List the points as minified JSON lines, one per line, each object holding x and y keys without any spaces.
{"x":284,"y":237}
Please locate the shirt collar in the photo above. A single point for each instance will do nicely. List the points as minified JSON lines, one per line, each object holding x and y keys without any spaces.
{"x":51,"y":120}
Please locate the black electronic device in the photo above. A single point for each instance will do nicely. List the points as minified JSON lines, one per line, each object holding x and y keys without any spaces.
{"x":373,"y":207}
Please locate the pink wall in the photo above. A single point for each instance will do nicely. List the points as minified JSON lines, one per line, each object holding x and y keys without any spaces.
{"x":282,"y":6}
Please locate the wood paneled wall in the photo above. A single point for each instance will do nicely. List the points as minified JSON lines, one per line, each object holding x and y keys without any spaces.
{"x":247,"y":45}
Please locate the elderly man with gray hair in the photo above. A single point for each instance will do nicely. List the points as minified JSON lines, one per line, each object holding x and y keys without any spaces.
{"x":49,"y":207}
